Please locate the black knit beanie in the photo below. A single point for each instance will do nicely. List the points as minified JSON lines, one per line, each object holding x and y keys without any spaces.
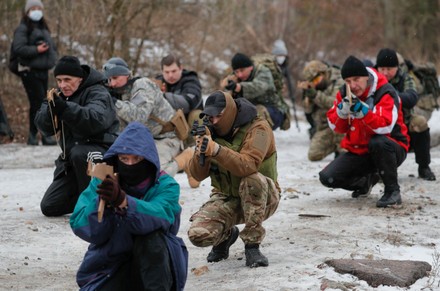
{"x":387,"y":58}
{"x":241,"y":61}
{"x":68,"y":65}
{"x":353,"y":67}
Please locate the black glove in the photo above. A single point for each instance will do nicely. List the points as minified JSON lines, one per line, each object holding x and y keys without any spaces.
{"x":231,"y":86}
{"x":110,"y":191}
{"x":59,"y":106}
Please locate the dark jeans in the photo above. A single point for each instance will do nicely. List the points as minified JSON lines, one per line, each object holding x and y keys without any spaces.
{"x":148,"y":269}
{"x":276,"y":115}
{"x":420,"y":142}
{"x":350,"y":171}
{"x":35,"y":84}
{"x":70,"y":179}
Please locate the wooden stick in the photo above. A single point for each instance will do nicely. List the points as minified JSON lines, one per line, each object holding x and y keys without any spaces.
{"x":100,"y":171}
{"x":101,"y":210}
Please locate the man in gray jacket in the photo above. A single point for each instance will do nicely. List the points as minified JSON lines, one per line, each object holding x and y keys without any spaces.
{"x":83,"y":116}
{"x":140,"y":99}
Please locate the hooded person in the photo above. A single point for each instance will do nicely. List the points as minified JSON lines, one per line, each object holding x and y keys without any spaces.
{"x":375,"y":137}
{"x":82,"y":114}
{"x":239,"y":154}
{"x":135,"y":247}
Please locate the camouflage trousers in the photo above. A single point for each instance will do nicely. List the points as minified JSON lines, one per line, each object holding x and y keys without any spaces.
{"x":258,"y":199}
{"x":168,"y":148}
{"x":323,"y":143}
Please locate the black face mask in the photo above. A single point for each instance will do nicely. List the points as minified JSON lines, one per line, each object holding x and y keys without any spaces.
{"x":322,"y":85}
{"x":133,"y":175}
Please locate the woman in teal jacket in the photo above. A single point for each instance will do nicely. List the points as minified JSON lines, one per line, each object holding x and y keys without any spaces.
{"x":135,"y":247}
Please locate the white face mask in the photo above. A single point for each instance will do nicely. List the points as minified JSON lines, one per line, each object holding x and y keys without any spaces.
{"x":35,"y":15}
{"x":280,"y":59}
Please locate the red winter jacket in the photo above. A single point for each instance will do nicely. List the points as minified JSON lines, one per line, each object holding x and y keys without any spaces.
{"x":385,"y":117}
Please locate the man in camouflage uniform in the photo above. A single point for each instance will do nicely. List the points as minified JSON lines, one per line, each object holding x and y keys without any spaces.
{"x":239,"y":155}
{"x":256,"y":84}
{"x":321,"y":84}
{"x":140,"y":99}
{"x":420,"y":140}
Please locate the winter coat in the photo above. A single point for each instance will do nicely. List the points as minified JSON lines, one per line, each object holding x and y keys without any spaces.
{"x":88,"y":118}
{"x":111,"y":241}
{"x":25,"y":45}
{"x":189,"y":87}
{"x":250,"y":149}
{"x":140,"y":99}
{"x":406,"y":87}
{"x":384,"y":117}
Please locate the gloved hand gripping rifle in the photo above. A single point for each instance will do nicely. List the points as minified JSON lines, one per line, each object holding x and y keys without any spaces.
{"x":51,"y":104}
{"x":201,"y":130}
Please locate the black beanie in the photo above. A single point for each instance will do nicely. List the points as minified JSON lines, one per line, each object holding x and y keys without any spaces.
{"x":387,"y":58}
{"x":241,"y":61}
{"x":68,"y":65}
{"x":353,"y":67}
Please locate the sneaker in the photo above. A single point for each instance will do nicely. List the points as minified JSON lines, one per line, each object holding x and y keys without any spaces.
{"x":374,"y":178}
{"x":426,"y":174}
{"x":254,"y":258}
{"x":389,"y":199}
{"x":221,"y":251}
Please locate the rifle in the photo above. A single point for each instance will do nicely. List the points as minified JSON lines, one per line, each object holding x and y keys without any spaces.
{"x":100,"y":171}
{"x":200,"y":130}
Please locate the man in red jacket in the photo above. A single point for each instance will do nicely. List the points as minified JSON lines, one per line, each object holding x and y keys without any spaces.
{"x":375,"y":135}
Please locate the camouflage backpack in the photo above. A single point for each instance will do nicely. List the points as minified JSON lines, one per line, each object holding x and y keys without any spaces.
{"x":430,"y":89}
{"x":270,"y":62}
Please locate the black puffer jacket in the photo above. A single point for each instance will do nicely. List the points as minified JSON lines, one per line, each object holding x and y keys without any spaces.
{"x":90,"y":116}
{"x":188,"y":86}
{"x":25,"y":46}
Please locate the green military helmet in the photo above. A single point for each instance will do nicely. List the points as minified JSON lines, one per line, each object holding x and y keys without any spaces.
{"x":313,"y":69}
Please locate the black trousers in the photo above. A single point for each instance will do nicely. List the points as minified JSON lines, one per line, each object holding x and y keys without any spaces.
{"x":70,"y":179}
{"x":35,"y":83}
{"x":148,"y":269}
{"x":351,"y":171}
{"x":420,"y":142}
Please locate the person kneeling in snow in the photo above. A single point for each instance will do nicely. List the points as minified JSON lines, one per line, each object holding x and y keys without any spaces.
{"x":135,"y":247}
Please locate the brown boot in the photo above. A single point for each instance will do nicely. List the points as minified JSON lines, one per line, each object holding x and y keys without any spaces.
{"x":182,"y":160}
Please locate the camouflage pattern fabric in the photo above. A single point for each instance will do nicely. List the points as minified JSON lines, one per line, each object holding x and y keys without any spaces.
{"x":258,"y":200}
{"x":141,"y":100}
{"x":325,"y":141}
{"x":167,"y":149}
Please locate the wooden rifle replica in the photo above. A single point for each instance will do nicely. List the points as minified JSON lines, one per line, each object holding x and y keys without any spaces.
{"x":100,"y":171}
{"x":350,"y":100}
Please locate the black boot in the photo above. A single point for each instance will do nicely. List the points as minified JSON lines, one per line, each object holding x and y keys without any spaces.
{"x":365,"y":191}
{"x":426,"y":174}
{"x":32,"y":139}
{"x":389,"y":199}
{"x":254,"y":258}
{"x":221,"y":251}
{"x":48,"y":140}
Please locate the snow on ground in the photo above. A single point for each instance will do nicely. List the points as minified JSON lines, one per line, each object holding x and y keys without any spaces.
{"x":40,"y":253}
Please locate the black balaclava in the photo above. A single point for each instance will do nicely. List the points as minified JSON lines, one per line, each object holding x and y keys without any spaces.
{"x":133,"y":175}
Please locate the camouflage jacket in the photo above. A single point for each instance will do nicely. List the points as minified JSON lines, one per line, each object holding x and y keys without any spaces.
{"x":140,"y":100}
{"x":406,"y":87}
{"x":323,"y":100}
{"x":259,"y":88}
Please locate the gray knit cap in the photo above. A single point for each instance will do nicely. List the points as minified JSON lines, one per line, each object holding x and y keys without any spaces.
{"x":279,"y":48}
{"x":115,"y":67}
{"x":33,"y":3}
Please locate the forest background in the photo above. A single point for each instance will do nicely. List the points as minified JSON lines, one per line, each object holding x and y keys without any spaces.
{"x":207,"y":33}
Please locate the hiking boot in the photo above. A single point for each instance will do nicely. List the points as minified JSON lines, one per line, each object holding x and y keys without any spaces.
{"x":32,"y":139}
{"x":426,"y":174}
{"x":48,"y":140}
{"x":365,"y":191}
{"x":389,"y":199}
{"x":254,"y":258}
{"x":221,"y":251}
